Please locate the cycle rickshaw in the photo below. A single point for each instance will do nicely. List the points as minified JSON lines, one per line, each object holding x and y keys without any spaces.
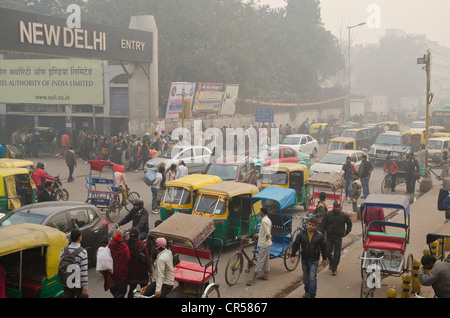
{"x":398,"y":155}
{"x":103,"y":191}
{"x":196,"y":274}
{"x":384,"y":243}
{"x":280,"y":205}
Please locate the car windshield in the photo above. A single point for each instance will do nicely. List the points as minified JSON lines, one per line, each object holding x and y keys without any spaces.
{"x":388,"y":140}
{"x":13,"y":218}
{"x":348,"y":133}
{"x":291,"y":140}
{"x":335,"y":145}
{"x":176,"y":195}
{"x":210,"y":204}
{"x":418,"y":125}
{"x":434,"y":144}
{"x":334,"y":158}
{"x":277,"y":178}
{"x":225,"y":172}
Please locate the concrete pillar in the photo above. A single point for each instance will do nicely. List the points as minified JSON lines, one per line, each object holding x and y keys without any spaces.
{"x":143,"y":84}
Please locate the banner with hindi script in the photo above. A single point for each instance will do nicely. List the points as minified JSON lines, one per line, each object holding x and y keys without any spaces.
{"x":174,"y":103}
{"x":208,"y":99}
{"x":51,"y":81}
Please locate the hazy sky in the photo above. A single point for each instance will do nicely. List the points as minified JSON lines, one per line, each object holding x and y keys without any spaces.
{"x":431,"y":18}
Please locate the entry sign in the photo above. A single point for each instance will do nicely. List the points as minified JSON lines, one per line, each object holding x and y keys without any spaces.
{"x":40,"y":34}
{"x":264,"y":115}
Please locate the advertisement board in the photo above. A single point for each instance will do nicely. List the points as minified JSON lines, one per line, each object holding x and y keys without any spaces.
{"x":174,"y":103}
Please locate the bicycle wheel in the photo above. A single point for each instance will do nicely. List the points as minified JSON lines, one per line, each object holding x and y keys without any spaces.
{"x":234,"y":268}
{"x":385,"y":185}
{"x":211,"y":291}
{"x":113,"y":211}
{"x":62,"y":195}
{"x":366,"y":291}
{"x":290,"y":266}
{"x":131,"y":197}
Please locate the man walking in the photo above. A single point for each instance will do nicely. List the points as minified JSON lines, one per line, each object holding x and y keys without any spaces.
{"x":348,"y":176}
{"x":412,"y":171}
{"x":365,"y":169}
{"x":71,"y":162}
{"x":312,"y":244}
{"x":337,"y":225}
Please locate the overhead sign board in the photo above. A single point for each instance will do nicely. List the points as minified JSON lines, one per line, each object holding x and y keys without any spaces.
{"x":33,"y":33}
{"x":264,"y":115}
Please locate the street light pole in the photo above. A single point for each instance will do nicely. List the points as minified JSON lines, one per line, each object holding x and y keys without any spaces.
{"x":347,"y":109}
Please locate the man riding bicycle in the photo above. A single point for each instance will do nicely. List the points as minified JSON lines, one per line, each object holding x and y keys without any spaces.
{"x":392,"y":168}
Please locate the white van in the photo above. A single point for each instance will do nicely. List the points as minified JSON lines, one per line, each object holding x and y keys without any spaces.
{"x":436,"y":146}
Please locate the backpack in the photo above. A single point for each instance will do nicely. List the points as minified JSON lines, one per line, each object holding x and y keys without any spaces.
{"x":67,"y":260}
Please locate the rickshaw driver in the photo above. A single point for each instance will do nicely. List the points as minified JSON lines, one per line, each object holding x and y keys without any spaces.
{"x":139,"y":217}
{"x":392,"y":168}
{"x":40,"y":176}
{"x":119,"y":178}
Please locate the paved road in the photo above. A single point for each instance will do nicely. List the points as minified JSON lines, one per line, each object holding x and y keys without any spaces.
{"x":283,"y":282}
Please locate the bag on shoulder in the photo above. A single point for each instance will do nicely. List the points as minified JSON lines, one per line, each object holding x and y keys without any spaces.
{"x":104,"y":260}
{"x":67,"y":259}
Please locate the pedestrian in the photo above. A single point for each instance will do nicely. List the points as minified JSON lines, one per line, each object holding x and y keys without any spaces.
{"x":421,"y":158}
{"x":182,"y":170}
{"x":71,"y":162}
{"x":47,"y":193}
{"x":156,"y":188}
{"x":435,"y":274}
{"x":320,"y":210}
{"x":120,"y":181}
{"x":348,"y":168}
{"x":164,"y":273}
{"x":16,"y":139}
{"x":171,"y":173}
{"x":264,"y":237}
{"x":138,"y":216}
{"x":116,"y":282}
{"x":65,"y":141}
{"x":446,"y":206}
{"x":412,"y":172}
{"x":356,"y":191}
{"x":365,"y":169}
{"x":28,"y":149}
{"x":391,"y":167}
{"x":311,"y":243}
{"x":445,"y":161}
{"x":140,"y":264}
{"x":81,"y":259}
{"x":337,"y":225}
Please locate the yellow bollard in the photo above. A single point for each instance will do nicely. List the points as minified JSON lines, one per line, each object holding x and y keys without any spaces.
{"x":391,"y":293}
{"x":415,"y":277}
{"x":406,"y":286}
{"x":434,"y":248}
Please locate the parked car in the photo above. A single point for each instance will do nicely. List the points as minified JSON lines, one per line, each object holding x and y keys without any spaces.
{"x":348,"y":125}
{"x":65,"y":216}
{"x":281,"y":155}
{"x":234,"y":168}
{"x":385,"y":142}
{"x":196,"y":158}
{"x":301,"y":142}
{"x":332,"y":161}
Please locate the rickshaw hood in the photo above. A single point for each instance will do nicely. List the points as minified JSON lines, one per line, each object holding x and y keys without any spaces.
{"x":15,"y":238}
{"x":284,"y":196}
{"x":393,"y":201}
{"x":231,"y":188}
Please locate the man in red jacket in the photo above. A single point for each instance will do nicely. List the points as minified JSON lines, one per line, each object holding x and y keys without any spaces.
{"x":40,"y":176}
{"x":392,"y":168}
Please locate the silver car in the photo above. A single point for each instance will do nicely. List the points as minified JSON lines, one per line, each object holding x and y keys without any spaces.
{"x":196,"y":158}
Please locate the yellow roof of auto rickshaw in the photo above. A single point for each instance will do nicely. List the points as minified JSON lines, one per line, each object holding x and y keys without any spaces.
{"x":437,"y":127}
{"x":412,"y":132}
{"x":288,"y":167}
{"x":356,"y":129}
{"x":19,"y":237}
{"x":440,"y":134}
{"x":193,"y":181}
{"x":15,"y":163}
{"x":391,"y":122}
{"x":319,"y":124}
{"x":344,"y":139}
{"x":4,"y":172}
{"x":231,"y":188}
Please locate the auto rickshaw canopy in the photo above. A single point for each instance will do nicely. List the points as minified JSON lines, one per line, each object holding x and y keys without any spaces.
{"x":19,"y":237}
{"x":290,"y":167}
{"x":16,"y":163}
{"x":333,"y":181}
{"x":230,"y":189}
{"x":342,"y":140}
{"x":193,"y":181}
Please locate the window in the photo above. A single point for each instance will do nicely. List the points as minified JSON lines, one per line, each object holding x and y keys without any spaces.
{"x":303,"y":141}
{"x":59,"y":221}
{"x":309,"y":138}
{"x":289,"y":153}
{"x":81,"y":217}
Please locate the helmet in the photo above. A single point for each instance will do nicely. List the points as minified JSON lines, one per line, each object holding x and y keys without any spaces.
{"x":160,"y":242}
{"x":40,"y":165}
{"x":138,"y":202}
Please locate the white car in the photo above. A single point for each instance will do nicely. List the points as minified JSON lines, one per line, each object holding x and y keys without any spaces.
{"x":333,"y":161}
{"x":302,"y":143}
{"x":418,"y":126}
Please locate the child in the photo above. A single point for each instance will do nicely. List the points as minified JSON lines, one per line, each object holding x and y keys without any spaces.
{"x":356,"y":191}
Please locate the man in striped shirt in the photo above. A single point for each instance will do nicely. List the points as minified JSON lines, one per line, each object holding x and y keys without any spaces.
{"x":82,"y":261}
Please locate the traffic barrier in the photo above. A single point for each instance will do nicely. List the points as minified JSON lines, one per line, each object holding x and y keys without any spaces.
{"x":406,"y":286}
{"x":415,"y":277}
{"x":391,"y":293}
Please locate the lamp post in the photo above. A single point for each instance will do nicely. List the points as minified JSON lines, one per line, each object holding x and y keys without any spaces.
{"x":347,"y":110}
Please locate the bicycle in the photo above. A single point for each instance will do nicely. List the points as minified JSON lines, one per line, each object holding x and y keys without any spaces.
{"x":235,"y":264}
{"x":131,"y":196}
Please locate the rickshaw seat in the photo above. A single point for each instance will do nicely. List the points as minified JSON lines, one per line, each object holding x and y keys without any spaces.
{"x":385,"y":241}
{"x":31,"y":287}
{"x":189,"y":272}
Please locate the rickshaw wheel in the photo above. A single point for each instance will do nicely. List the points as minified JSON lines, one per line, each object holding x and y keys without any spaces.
{"x":234,"y":268}
{"x":287,"y":258}
{"x":384,"y":186}
{"x":131,"y":197}
{"x":211,"y":291}
{"x":366,"y":292}
{"x":408,"y":265}
{"x":113,"y":211}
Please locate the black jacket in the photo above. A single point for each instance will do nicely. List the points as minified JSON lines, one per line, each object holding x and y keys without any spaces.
{"x":44,"y":196}
{"x":336,"y":223}
{"x":310,"y":251}
{"x":139,"y":218}
{"x":365,"y":169}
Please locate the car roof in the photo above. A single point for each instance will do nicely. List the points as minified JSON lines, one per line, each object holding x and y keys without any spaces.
{"x":297,"y":135}
{"x":390,"y":132}
{"x":347,"y":151}
{"x":51,"y":207}
{"x":231,"y":159}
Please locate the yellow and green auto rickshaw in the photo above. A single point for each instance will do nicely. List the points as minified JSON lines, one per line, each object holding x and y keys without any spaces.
{"x":179,"y":195}
{"x":316,"y":130}
{"x":229,"y":205}
{"x":288,"y":175}
{"x":416,"y":138}
{"x":440,"y":134}
{"x":16,"y":189}
{"x":17,"y":163}
{"x":436,"y":129}
{"x":29,"y":257}
{"x":392,"y":125}
{"x":342,"y":143}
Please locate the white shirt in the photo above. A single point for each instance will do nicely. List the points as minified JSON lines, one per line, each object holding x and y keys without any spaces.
{"x":264,"y":235}
{"x":182,"y":171}
{"x":164,"y":270}
{"x":157,"y":181}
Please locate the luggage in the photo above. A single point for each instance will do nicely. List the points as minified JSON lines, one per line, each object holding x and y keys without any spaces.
{"x":149,"y":177}
{"x":442,"y":195}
